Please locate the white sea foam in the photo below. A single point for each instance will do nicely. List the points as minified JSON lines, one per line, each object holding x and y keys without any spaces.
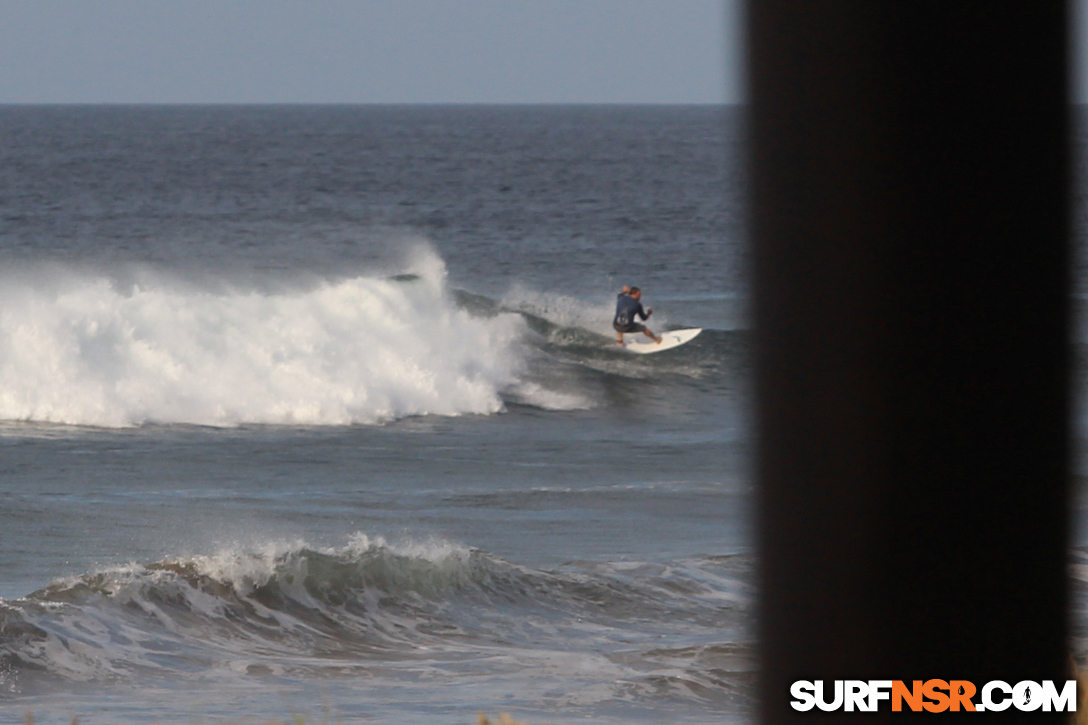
{"x":249,"y":565}
{"x":78,"y":348}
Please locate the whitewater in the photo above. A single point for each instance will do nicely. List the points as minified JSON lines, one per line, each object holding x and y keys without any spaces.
{"x":80,"y":349}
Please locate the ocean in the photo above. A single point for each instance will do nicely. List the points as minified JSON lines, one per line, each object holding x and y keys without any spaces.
{"x":317,"y":411}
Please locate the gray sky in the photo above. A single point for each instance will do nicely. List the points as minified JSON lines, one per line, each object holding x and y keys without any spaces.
{"x":369,"y":51}
{"x":384,"y":51}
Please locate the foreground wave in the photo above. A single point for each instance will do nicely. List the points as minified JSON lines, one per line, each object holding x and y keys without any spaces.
{"x":373,"y":607}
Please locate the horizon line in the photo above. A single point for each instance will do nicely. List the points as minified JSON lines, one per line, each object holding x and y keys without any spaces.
{"x":371,"y":103}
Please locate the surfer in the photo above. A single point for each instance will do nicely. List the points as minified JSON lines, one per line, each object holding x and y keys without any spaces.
{"x":628,"y":308}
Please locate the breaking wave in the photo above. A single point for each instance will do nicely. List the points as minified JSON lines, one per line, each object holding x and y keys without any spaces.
{"x":290,"y":609}
{"x":81,"y":348}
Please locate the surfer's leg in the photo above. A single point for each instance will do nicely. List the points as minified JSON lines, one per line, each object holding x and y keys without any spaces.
{"x":651,"y":335}
{"x":619,"y":338}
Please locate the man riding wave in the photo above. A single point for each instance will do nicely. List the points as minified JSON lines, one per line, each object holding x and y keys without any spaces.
{"x":628,"y":307}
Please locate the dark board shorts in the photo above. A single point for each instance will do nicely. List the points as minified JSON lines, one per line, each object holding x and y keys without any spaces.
{"x":629,"y":327}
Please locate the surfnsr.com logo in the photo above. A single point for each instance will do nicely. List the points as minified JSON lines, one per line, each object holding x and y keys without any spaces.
{"x":933,"y":696}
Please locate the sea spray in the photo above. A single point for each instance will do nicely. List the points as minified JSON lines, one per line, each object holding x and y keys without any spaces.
{"x":83,"y":349}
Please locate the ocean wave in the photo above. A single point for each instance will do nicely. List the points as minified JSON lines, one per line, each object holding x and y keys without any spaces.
{"x":579,"y":333}
{"x":133,"y":347}
{"x":563,"y":311}
{"x":78,"y":347}
{"x":292,"y":609}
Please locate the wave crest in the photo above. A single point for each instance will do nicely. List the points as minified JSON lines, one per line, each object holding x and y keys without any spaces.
{"x":292,"y":608}
{"x":79,"y":348}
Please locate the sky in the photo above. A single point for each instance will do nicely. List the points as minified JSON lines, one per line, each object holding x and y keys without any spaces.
{"x":385,"y":51}
{"x":370,"y":51}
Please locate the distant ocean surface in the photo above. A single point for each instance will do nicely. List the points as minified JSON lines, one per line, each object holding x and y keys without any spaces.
{"x":318,"y":411}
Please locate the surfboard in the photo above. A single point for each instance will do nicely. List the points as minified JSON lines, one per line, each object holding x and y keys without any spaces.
{"x":673,"y":338}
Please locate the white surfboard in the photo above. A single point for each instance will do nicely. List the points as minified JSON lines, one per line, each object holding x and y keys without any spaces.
{"x":637,"y":342}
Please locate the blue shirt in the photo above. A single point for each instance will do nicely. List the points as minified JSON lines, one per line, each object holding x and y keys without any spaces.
{"x":626,"y":309}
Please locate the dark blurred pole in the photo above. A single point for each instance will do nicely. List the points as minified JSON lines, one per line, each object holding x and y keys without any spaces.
{"x":909,"y":213}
